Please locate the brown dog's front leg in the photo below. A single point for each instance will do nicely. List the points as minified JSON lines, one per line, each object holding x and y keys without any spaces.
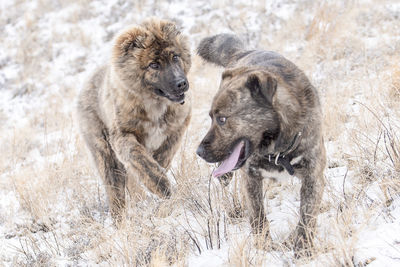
{"x":165,"y":153}
{"x":254,"y":194}
{"x":136,"y":159}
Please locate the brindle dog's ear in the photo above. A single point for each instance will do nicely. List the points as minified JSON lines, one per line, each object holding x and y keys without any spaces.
{"x":227,"y":74}
{"x":265,"y":89}
{"x":291,"y":120}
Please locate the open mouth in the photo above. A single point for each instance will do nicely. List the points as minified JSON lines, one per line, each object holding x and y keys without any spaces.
{"x":235,"y":159}
{"x":174,"y":98}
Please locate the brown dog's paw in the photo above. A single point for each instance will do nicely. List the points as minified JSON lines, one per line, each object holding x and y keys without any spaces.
{"x":166,"y":192}
{"x":163,"y":188}
{"x":164,"y":209}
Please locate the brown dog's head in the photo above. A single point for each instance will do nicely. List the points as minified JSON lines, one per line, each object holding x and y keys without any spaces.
{"x":155,"y":55}
{"x":242,"y":117}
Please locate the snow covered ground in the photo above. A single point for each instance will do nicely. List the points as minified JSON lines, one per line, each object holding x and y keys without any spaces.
{"x":53,"y":209}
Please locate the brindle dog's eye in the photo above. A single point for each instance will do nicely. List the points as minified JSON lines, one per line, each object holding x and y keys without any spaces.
{"x":221,"y":120}
{"x":154,"y":65}
{"x":175,"y":58}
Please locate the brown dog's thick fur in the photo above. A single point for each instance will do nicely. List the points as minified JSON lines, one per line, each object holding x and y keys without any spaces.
{"x":267,"y":108}
{"x":131,"y":111}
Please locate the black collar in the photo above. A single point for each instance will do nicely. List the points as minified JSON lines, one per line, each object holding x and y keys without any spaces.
{"x":281,"y":158}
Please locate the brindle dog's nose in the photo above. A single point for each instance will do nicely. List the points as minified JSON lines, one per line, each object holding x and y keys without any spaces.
{"x":200,"y":151}
{"x":182,"y":85}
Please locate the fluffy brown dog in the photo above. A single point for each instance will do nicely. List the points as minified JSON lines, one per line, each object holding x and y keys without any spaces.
{"x":266,"y":120}
{"x":132,"y":112}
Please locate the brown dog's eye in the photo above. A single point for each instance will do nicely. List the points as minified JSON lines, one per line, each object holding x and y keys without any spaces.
{"x":221,"y":120}
{"x":175,"y":58}
{"x":154,"y":65}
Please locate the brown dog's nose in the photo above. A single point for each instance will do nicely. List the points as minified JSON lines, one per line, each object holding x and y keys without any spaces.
{"x":182,"y":85}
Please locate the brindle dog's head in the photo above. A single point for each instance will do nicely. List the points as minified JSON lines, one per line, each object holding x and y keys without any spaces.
{"x":157,"y":55}
{"x":242,"y":117}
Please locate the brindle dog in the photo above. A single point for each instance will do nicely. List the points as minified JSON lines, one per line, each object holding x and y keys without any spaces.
{"x":266,"y":120}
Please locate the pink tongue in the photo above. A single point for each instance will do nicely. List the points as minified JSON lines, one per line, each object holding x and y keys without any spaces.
{"x":230,"y":163}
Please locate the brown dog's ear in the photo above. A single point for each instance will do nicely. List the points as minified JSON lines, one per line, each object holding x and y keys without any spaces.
{"x":265,"y":89}
{"x":162,"y":29}
{"x":128,"y":40}
{"x":169,"y":27}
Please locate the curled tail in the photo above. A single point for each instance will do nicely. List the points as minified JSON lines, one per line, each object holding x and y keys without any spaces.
{"x":220,"y":48}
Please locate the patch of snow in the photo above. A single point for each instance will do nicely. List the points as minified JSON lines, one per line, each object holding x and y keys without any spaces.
{"x":210,"y":258}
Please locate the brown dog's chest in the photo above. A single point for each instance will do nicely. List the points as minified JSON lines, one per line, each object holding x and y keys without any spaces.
{"x":156,"y":133}
{"x":155,"y":127}
{"x":162,"y":122}
{"x":153,"y":123}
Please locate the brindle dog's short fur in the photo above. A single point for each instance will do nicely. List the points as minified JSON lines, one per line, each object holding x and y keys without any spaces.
{"x":131,"y":111}
{"x":264,"y":100}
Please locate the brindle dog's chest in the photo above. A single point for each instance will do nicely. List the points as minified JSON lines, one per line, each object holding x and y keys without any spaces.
{"x":263,"y":168}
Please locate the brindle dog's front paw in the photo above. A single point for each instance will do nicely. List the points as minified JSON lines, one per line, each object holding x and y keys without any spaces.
{"x":226,"y":178}
{"x":301,"y":244}
{"x":302,"y":251}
